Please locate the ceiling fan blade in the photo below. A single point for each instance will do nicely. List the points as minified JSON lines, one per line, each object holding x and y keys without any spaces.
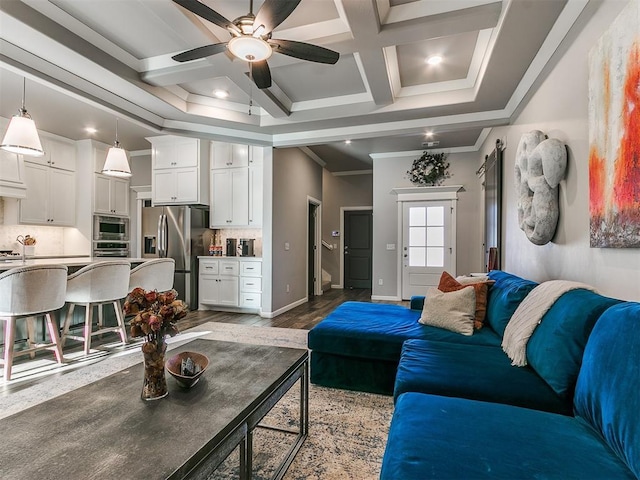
{"x":273,"y":13}
{"x":261,"y":74}
{"x":200,"y":9}
{"x":305,"y":51}
{"x":200,"y":52}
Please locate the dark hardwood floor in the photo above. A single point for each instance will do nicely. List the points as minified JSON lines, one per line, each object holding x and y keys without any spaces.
{"x":304,"y":316}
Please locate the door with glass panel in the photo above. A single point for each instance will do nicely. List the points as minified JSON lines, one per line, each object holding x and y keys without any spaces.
{"x":427,"y":245}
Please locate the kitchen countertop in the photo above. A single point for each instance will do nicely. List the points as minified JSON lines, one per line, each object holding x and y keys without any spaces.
{"x":236,"y":257}
{"x":68,"y":261}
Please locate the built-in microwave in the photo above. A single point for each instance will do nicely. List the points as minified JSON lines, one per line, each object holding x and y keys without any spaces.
{"x":110,"y":228}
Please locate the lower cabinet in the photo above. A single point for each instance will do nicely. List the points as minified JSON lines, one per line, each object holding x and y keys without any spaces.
{"x":230,"y":283}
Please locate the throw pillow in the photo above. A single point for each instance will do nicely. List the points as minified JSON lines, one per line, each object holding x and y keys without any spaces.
{"x":452,"y":310}
{"x":469,"y":280}
{"x":450,"y":284}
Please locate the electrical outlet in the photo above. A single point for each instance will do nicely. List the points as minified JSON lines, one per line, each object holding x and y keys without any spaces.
{"x":380,"y":282}
{"x":288,"y":289}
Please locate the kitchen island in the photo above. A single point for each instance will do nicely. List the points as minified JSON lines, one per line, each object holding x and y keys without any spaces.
{"x":74,"y":263}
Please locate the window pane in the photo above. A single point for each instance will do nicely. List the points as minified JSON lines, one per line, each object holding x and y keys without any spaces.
{"x":417,"y":216}
{"x":435,"y":216}
{"x":435,"y":257}
{"x":417,"y":257}
{"x":435,"y":236}
{"x":417,"y":237}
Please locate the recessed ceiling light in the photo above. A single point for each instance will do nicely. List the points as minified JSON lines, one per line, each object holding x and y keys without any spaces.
{"x":221,"y":93}
{"x":428,"y":134}
{"x":434,"y":60}
{"x":348,"y":142}
{"x":91,"y":130}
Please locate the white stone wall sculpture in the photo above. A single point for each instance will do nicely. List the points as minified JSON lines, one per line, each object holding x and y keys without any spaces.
{"x":540,"y":166}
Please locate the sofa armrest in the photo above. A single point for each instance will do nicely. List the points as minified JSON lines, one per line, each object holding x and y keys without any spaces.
{"x":417,"y":302}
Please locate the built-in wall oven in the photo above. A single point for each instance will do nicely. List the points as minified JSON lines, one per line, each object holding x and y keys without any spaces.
{"x":110,"y":236}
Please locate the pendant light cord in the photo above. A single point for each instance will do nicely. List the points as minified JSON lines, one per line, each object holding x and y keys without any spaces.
{"x":117,"y":143}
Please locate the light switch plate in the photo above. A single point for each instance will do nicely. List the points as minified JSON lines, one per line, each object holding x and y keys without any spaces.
{"x":286,"y":245}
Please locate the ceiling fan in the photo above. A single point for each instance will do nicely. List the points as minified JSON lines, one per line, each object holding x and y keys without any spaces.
{"x":251,"y":38}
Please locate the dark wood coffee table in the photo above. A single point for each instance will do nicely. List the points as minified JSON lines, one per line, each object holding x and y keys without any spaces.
{"x":105,"y":431}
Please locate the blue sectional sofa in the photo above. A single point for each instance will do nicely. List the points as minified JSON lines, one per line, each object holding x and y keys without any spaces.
{"x":435,"y":436}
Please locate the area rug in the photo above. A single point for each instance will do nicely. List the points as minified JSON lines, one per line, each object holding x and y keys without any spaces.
{"x":347,"y":430}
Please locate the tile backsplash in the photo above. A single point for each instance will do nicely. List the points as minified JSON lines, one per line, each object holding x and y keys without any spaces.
{"x":49,"y":240}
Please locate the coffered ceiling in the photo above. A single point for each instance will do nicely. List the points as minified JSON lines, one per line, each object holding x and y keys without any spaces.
{"x":89,"y":61}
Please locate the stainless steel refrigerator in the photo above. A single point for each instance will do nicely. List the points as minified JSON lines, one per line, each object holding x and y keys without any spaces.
{"x":177,"y":232}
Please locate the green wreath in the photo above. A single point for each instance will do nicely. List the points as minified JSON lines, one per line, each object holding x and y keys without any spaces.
{"x":429,"y":170}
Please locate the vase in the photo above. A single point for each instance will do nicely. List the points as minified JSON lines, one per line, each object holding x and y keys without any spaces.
{"x":155,"y":383}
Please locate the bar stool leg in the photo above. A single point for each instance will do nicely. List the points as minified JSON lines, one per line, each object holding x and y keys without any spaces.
{"x":53,"y":334}
{"x":122,"y":331}
{"x":9,"y":339}
{"x":67,"y":323}
{"x":31,"y":335}
{"x":88,"y":320}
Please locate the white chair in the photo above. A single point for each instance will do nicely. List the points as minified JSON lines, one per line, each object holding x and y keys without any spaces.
{"x":27,"y":293}
{"x":154,"y":274}
{"x":97,"y":284}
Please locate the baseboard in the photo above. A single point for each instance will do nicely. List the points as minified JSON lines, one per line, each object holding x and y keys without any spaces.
{"x":286,"y":308}
{"x":385,"y":298}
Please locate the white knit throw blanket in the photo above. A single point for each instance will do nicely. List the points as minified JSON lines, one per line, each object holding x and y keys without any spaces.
{"x":529,"y":314}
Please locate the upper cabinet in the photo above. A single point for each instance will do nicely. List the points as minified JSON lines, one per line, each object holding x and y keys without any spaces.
{"x":111,"y":195}
{"x":12,"y":176}
{"x":51,"y":185}
{"x":236,"y":185}
{"x":179,"y":170}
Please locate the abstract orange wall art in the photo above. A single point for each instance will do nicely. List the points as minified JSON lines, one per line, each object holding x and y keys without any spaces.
{"x":614,"y":133}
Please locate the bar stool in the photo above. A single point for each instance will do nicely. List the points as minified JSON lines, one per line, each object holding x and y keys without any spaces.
{"x":26,"y":293}
{"x":154,"y":274}
{"x":97,"y":284}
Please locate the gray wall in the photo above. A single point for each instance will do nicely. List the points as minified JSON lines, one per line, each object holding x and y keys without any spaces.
{"x":559,"y":109}
{"x":295,"y":178}
{"x":389,"y":173}
{"x":337,"y":192}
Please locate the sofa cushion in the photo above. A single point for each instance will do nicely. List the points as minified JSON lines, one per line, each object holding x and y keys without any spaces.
{"x":440,"y":437}
{"x":454,"y":310}
{"x":377,"y":330}
{"x":449,"y":284}
{"x":504,"y":297}
{"x":556,"y":347}
{"x":477,"y":372}
{"x":607,"y":393}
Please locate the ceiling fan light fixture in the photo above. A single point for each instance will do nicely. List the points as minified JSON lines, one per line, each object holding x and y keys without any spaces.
{"x":249,"y":49}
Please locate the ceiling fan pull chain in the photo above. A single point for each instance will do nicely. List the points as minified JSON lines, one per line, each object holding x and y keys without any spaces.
{"x":250,"y":86}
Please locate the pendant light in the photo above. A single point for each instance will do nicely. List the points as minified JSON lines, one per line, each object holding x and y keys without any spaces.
{"x":116,"y":164}
{"x":22,"y":136}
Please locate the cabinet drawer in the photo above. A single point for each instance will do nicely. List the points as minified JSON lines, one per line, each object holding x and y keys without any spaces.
{"x":209,"y":267}
{"x":229,"y":267}
{"x":251,"y":269}
{"x":250,"y":300}
{"x":250,"y":284}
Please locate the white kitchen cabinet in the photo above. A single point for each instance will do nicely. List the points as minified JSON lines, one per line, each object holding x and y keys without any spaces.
{"x":230,"y":197}
{"x":229,"y":155}
{"x":110,"y":195}
{"x":219,"y":282}
{"x":235,"y":284}
{"x":57,"y":153}
{"x":51,"y":196}
{"x":179,"y":170}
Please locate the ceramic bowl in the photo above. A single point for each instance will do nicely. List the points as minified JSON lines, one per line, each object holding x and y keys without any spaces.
{"x":174,"y":365}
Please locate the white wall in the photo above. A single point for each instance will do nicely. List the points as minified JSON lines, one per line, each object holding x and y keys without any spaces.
{"x":389,"y":173}
{"x":559,"y":109}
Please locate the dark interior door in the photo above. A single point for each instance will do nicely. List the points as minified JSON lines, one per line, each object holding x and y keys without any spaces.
{"x":358,"y":232}
{"x":311,"y":280}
